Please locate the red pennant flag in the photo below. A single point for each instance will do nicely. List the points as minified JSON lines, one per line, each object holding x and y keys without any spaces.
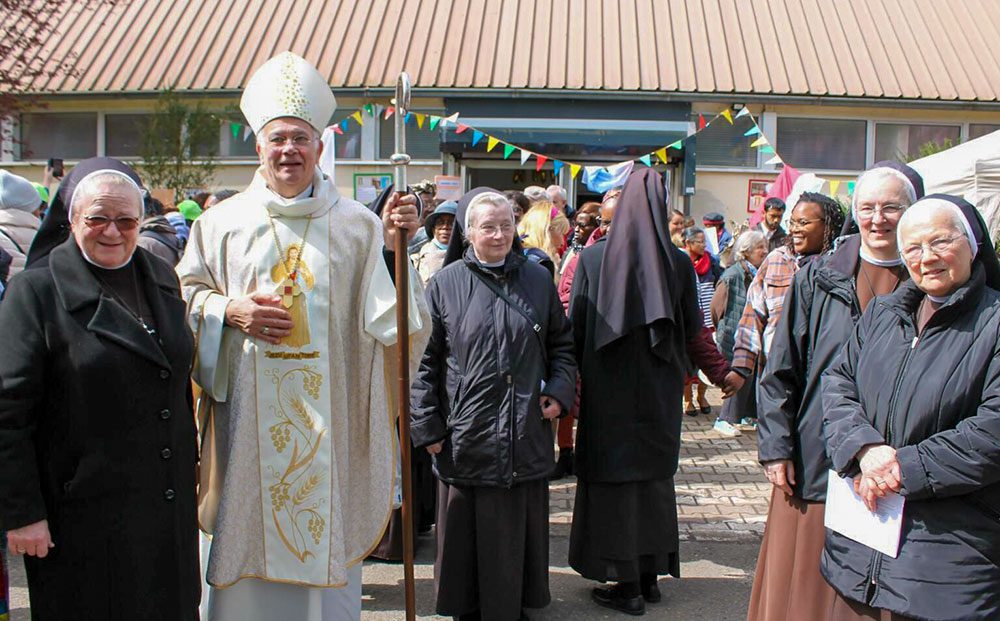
{"x":337,"y":130}
{"x":701,"y":122}
{"x":541,"y":159}
{"x":461,"y":128}
{"x":388,"y":112}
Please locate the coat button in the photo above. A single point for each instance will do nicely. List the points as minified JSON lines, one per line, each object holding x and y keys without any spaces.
{"x":515,"y":474}
{"x":169,"y":494}
{"x":165,"y":453}
{"x":165,"y":414}
{"x":164,"y":374}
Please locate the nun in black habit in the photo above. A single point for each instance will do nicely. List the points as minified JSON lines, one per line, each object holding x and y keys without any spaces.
{"x":636,"y":323}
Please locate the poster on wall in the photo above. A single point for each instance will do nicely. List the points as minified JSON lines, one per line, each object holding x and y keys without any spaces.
{"x":757,"y":193}
{"x":449,"y":188}
{"x":367,"y":186}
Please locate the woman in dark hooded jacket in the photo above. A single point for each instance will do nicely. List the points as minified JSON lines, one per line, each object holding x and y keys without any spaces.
{"x":498,"y":366}
{"x":912,"y":406}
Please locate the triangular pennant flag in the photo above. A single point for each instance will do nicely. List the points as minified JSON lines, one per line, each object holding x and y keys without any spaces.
{"x":491,"y":143}
{"x":357,"y":117}
{"x":767,"y":149}
{"x":434,"y":122}
{"x":574,"y":169}
{"x":541,"y":162}
{"x":647,"y":160}
{"x":525,"y":156}
{"x":388,"y":112}
{"x":753,"y":131}
{"x":453,"y":119}
{"x":343,"y":125}
{"x":476,"y":136}
{"x":760,"y":142}
{"x":406,"y":119}
{"x":556,"y":167}
{"x":337,"y":130}
{"x":507,"y":150}
{"x":727,"y":115}
{"x":420,"y":120}
{"x":235,"y":128}
{"x":662,"y":154}
{"x":850,"y":188}
{"x":701,"y":122}
{"x":676,"y":145}
{"x":834,"y":186}
{"x":370,"y":109}
{"x":774,"y":161}
{"x":461,"y":128}
{"x":743,"y":112}
{"x":246,"y":132}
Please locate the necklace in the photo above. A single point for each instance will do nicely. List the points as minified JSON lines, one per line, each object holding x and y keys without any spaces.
{"x":289,"y":287}
{"x":137,"y":314}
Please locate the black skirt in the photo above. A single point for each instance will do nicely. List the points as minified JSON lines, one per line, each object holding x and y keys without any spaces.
{"x":492,"y":550}
{"x":622,"y":530}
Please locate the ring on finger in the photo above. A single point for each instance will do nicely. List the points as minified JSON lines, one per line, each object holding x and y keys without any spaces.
{"x":265,"y":330}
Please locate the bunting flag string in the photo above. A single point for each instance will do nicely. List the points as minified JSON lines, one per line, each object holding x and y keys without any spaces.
{"x":525,"y":156}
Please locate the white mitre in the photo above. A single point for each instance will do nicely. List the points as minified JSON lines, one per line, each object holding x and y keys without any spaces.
{"x":287,"y":86}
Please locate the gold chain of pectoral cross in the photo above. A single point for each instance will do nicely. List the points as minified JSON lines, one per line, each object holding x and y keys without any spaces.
{"x":293,"y":272}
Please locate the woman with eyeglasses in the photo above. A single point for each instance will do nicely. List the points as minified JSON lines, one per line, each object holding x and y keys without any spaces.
{"x":825,"y":301}
{"x":97,"y":436}
{"x":912,"y":407}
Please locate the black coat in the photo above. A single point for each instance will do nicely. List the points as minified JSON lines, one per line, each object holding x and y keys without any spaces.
{"x":480,"y":378}
{"x":630,"y":401}
{"x":821,"y":308}
{"x":97,"y":436}
{"x":935,"y":399}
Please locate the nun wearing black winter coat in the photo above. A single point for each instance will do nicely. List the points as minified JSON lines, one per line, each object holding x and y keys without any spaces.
{"x":912,"y":406}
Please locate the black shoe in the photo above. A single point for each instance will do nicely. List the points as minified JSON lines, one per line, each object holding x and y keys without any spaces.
{"x":652,"y":594}
{"x":564,"y":465}
{"x":610,"y":597}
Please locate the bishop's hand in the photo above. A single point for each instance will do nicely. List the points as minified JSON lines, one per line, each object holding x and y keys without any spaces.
{"x":261,"y":316}
{"x":400,"y":212}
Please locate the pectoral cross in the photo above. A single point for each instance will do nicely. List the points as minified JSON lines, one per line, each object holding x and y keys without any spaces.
{"x":288,"y":289}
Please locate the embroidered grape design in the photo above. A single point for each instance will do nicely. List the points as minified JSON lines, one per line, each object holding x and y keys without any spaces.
{"x":315,"y":526}
{"x":281,"y":435}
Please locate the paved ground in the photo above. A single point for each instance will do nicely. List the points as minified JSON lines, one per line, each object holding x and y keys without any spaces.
{"x":722,"y":502}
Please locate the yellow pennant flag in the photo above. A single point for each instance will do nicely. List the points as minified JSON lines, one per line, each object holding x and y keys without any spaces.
{"x":728,"y":115}
{"x":491,"y":143}
{"x":420,"y":120}
{"x":834,"y":186}
{"x":662,"y":154}
{"x":357,"y":117}
{"x":759,"y":142}
{"x":573,"y":170}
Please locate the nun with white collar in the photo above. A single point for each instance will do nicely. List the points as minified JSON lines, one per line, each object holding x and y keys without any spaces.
{"x":912,"y":407}
{"x":97,"y":437}
{"x":823,"y":304}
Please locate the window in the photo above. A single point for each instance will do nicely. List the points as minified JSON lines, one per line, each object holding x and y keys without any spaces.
{"x":237,"y":146}
{"x":978,"y":130}
{"x":123,"y":134}
{"x":422,"y":144}
{"x":722,"y":144}
{"x":896,"y":141}
{"x":829,"y":144}
{"x":66,"y":135}
{"x":348,"y":144}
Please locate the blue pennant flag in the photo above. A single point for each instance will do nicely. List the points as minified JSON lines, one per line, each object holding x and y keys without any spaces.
{"x":645,"y":159}
{"x":753,"y":131}
{"x":406,"y":119}
{"x":343,"y":125}
{"x":556,"y":167}
{"x":476,"y":137}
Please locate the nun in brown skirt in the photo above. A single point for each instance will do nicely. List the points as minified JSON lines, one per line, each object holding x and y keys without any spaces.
{"x":825,"y":301}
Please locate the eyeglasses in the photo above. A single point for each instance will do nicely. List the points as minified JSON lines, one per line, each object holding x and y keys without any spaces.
{"x":298,"y":141}
{"x":915,"y":252}
{"x":888,"y":210}
{"x":505,"y":229}
{"x":122,"y":223}
{"x":800,"y":223}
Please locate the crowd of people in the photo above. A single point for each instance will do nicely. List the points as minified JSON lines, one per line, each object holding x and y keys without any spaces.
{"x":862,"y":346}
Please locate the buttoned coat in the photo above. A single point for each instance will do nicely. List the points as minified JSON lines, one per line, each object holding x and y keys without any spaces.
{"x":97,"y":436}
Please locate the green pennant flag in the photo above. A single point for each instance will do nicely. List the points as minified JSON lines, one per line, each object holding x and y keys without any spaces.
{"x":767,"y":149}
{"x":676,"y":145}
{"x":434,"y":122}
{"x":507,"y":150}
{"x":235,"y":128}
{"x":850,"y":188}
{"x":645,"y":159}
{"x":370,"y":109}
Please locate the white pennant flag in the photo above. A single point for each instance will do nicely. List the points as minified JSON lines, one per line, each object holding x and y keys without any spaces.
{"x":743,"y":112}
{"x":773,"y":161}
{"x":246,"y":132}
{"x":525,"y":154}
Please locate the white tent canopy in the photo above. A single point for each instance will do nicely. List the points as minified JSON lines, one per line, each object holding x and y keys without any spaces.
{"x":970,"y":170}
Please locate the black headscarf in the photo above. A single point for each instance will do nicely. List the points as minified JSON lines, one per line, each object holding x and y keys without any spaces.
{"x":55,"y":227}
{"x":916,"y":182}
{"x":641,"y":271}
{"x":985,"y":253}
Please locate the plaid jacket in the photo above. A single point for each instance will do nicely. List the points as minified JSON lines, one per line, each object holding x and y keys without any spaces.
{"x":765,"y":301}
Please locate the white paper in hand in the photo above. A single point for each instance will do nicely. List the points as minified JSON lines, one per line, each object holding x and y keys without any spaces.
{"x":847,"y":514}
